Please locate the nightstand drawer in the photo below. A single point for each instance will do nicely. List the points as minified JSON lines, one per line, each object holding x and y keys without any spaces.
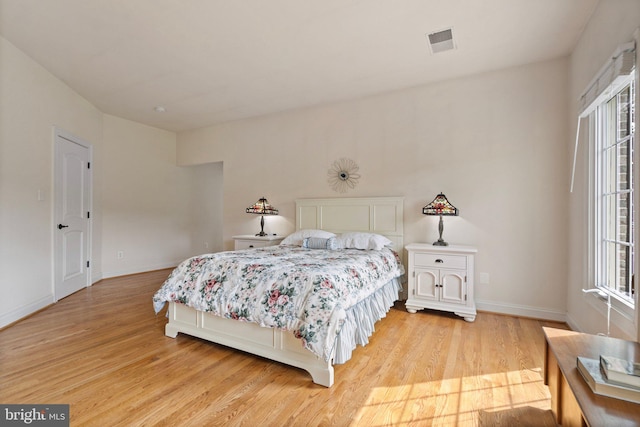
{"x":248,"y":244}
{"x":440,"y":261}
{"x":249,"y":241}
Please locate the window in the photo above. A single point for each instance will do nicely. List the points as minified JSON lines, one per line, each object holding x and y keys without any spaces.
{"x":614,"y":133}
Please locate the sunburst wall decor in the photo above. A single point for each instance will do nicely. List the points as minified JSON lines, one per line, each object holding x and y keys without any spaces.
{"x":343,"y":175}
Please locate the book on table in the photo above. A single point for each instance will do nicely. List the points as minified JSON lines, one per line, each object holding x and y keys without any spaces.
{"x":620,"y":371}
{"x":592,"y":374}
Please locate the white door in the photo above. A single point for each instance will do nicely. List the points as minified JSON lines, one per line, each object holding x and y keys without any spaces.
{"x":426,"y":284}
{"x":452,"y":284}
{"x":72,"y":199}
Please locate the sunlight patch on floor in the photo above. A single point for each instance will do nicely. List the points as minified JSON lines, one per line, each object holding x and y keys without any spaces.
{"x":457,"y":401}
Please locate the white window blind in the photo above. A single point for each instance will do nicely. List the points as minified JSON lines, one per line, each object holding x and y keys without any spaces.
{"x":609,"y":80}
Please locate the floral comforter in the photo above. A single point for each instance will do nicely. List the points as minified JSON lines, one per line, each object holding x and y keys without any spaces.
{"x":305,"y":291}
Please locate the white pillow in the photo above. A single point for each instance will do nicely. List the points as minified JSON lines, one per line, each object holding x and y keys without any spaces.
{"x":359,"y":240}
{"x":297,"y":237}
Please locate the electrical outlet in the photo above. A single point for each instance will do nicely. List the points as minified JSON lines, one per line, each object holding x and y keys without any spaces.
{"x":206,"y":245}
{"x":120,"y":254}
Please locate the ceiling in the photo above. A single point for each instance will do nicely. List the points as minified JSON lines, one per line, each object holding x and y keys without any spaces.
{"x":211,"y":61}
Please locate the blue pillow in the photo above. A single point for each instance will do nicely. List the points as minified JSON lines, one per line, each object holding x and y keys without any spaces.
{"x":320,"y":243}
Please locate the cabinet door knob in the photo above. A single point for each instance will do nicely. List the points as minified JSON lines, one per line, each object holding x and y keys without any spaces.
{"x":439,"y":261}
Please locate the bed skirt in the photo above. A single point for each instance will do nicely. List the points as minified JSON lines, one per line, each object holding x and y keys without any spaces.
{"x":361,"y":318}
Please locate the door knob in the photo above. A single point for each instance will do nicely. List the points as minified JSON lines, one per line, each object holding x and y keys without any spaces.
{"x":60,"y":226}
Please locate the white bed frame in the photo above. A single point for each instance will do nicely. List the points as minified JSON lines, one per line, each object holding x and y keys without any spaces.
{"x":382,"y":215}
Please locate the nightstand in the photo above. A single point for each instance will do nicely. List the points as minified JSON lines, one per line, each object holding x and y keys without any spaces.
{"x":248,"y":241}
{"x":441,"y":278}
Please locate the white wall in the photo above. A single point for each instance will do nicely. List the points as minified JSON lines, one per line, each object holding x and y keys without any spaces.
{"x":206,"y":190}
{"x":32,"y":101}
{"x":613,"y":23}
{"x":155,"y":213}
{"x":493,"y":143}
{"x":143,"y":204}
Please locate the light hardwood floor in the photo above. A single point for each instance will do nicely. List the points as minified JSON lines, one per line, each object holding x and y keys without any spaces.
{"x":428,"y":368}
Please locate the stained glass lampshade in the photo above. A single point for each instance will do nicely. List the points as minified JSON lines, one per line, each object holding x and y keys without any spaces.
{"x":440,"y":206}
{"x":262,"y":207}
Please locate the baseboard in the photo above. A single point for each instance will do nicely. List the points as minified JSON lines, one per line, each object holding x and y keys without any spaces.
{"x":24,"y":311}
{"x":522,"y":311}
{"x":96,"y":277}
{"x":140,"y":269}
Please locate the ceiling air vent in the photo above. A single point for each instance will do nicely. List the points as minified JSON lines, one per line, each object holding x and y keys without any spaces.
{"x":441,"y":41}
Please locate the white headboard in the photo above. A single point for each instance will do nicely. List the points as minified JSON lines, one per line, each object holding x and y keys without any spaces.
{"x":381,"y":215}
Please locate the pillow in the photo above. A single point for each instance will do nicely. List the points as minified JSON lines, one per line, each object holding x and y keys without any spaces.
{"x":320,"y":243}
{"x":297,"y":237}
{"x":363,"y":241}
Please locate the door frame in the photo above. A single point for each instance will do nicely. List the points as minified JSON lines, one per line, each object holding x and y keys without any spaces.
{"x":55,"y":205}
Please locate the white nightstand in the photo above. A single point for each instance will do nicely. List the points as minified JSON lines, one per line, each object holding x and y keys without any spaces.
{"x":248,"y":241}
{"x":441,"y":278}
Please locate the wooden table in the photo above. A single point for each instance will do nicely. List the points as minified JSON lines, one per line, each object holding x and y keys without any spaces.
{"x":572,"y":401}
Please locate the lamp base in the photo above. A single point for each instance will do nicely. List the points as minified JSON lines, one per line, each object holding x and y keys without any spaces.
{"x":440,"y":242}
{"x":261,"y":233}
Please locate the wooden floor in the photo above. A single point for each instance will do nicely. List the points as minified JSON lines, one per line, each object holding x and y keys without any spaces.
{"x":427,"y":368}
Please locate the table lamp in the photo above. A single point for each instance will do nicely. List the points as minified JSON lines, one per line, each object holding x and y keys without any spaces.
{"x":440,"y":206}
{"x":262,"y":207}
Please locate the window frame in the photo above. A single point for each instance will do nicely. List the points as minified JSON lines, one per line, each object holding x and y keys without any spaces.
{"x":624,"y":305}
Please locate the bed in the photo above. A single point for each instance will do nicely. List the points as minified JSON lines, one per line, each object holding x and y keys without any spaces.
{"x":282,"y":322}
